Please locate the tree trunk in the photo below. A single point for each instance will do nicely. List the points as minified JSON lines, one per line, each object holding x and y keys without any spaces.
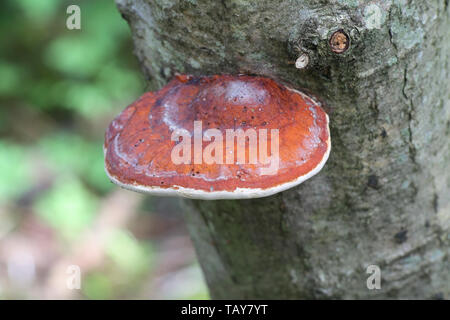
{"x":383,"y":198}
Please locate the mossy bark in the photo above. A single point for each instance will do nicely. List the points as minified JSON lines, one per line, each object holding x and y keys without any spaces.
{"x":383,"y":197}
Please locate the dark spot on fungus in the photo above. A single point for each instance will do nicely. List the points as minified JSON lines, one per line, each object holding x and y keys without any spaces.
{"x":339,"y":42}
{"x":401,"y":236}
{"x":193,"y":81}
{"x":158,"y":102}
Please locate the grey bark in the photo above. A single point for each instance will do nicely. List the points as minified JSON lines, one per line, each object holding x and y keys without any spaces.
{"x":382,"y":199}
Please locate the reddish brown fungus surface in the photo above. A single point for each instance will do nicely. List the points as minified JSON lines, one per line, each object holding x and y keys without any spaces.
{"x":138,"y":145}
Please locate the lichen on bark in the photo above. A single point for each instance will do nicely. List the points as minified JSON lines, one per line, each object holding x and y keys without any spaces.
{"x":383,"y":198}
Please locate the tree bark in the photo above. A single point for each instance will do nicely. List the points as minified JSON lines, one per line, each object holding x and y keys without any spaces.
{"x":383,"y":198}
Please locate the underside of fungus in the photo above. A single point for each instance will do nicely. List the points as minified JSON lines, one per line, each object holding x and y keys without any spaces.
{"x":217,"y":137}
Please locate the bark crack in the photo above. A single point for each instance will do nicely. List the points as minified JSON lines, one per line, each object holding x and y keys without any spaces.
{"x":410,"y":112}
{"x":408,"y":99}
{"x":391,"y":39}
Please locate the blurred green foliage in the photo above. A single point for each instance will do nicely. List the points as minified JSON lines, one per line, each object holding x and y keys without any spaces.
{"x":127,"y":253}
{"x":71,"y":153}
{"x":98,"y":286}
{"x":68,"y":81}
{"x":14,"y":167}
{"x":68,"y":207}
{"x":59,"y":89}
{"x":86,"y":71}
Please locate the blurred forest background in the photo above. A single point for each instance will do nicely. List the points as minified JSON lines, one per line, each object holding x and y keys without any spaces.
{"x":59,"y":89}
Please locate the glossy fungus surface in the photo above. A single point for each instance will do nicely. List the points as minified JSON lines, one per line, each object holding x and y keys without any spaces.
{"x":139,"y":143}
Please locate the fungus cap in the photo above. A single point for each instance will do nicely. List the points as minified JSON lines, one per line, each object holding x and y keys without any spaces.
{"x":291,"y":128}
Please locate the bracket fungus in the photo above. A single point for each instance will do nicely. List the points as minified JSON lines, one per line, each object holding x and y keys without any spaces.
{"x":180,"y":140}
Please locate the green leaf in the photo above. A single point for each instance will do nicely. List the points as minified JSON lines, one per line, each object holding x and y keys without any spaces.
{"x":15,"y":171}
{"x":38,"y":10}
{"x":68,"y":207}
{"x":80,"y":56}
{"x":69,"y":153}
{"x":125,"y":251}
{"x":97,"y":286}
{"x":10,"y":75}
